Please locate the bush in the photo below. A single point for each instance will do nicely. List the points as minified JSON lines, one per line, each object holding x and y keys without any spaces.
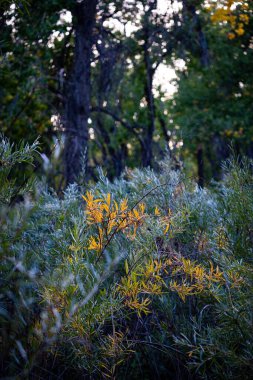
{"x":148,"y":276}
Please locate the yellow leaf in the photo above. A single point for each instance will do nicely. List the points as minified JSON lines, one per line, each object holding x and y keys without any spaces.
{"x":157,"y":211}
{"x":167,"y":228}
{"x":123,"y":205}
{"x":126,"y":267}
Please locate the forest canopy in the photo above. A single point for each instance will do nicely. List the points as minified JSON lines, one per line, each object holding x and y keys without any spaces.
{"x":124,"y":83}
{"x":126,"y":179}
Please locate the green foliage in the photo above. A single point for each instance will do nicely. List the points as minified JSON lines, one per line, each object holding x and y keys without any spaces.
{"x":11,"y":160}
{"x":213,"y":104}
{"x":174,"y":297}
{"x":211,"y":108}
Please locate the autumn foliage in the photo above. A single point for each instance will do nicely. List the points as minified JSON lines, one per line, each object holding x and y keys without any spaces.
{"x":149,"y":266}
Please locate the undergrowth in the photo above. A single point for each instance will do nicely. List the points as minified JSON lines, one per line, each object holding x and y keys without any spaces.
{"x":147,"y":276}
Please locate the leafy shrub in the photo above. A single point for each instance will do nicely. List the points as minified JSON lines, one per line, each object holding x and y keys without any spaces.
{"x":146,"y":276}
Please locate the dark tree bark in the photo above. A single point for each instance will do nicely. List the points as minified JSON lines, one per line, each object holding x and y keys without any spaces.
{"x":219,"y":153}
{"x":78,"y":90}
{"x":190,"y":15}
{"x":165,"y":133}
{"x":147,"y":154}
{"x":200,"y":161}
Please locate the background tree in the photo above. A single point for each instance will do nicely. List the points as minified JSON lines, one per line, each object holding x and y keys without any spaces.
{"x":212,"y":105}
{"x":78,"y":89}
{"x":111,"y":102}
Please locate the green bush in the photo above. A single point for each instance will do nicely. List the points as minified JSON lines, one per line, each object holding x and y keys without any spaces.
{"x":148,"y":276}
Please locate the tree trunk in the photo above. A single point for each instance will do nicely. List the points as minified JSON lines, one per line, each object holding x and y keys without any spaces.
{"x":78,"y":91}
{"x":147,"y":157}
{"x":149,"y":96}
{"x":200,"y":161}
{"x":190,"y":14}
{"x":221,"y":153}
{"x":189,"y":9}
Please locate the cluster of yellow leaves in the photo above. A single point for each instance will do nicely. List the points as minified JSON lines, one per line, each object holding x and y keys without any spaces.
{"x":166,"y":219}
{"x":111,"y":217}
{"x":184,"y":276}
{"x":235,"y":134}
{"x":194,"y":278}
{"x":187,"y":279}
{"x":225,"y":13}
{"x":136,"y":288}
